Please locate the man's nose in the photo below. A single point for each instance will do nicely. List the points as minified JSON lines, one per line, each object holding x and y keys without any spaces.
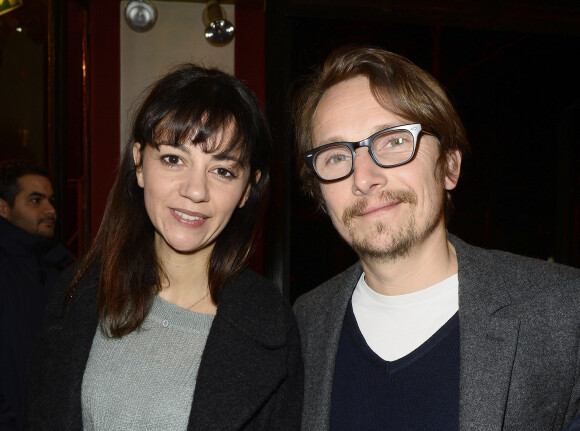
{"x":49,"y":208}
{"x":367,"y":176}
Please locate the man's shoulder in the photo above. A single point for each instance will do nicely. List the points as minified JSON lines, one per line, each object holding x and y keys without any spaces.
{"x":522,"y":278}
{"x":58,"y":256}
{"x":331,"y":291}
{"x":510,"y":264}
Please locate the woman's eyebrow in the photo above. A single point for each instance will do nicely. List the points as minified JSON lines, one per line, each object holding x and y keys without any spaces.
{"x":221,"y":156}
{"x":227,"y":156}
{"x":182,"y":147}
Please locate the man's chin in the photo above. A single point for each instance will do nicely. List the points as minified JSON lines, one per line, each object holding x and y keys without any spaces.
{"x":383,"y":252}
{"x":46,"y":233}
{"x":384,"y":243}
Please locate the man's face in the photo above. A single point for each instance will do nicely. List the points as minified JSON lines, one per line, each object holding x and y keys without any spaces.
{"x":381,"y":212}
{"x":33,"y":209}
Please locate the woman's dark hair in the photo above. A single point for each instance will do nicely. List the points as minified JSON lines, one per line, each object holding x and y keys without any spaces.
{"x":190,"y":101}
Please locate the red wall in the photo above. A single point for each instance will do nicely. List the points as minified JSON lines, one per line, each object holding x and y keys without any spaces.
{"x":250,"y":67}
{"x":104,"y":103}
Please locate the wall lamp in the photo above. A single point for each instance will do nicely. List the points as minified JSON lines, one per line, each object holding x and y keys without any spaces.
{"x":140,"y":15}
{"x":218,"y":30}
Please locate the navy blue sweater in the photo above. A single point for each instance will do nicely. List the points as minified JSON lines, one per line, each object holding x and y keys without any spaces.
{"x":417,"y":392}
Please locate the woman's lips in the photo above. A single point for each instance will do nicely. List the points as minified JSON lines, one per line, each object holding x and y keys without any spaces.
{"x":188,"y":217}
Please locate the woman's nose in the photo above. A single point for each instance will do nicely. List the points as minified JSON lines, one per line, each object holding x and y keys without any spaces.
{"x":195,"y":187}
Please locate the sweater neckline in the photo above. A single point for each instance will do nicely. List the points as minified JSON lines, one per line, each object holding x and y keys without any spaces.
{"x":167,"y":314}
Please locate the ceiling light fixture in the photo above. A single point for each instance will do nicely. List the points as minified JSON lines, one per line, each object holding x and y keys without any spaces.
{"x":219,"y":31}
{"x":140,"y":15}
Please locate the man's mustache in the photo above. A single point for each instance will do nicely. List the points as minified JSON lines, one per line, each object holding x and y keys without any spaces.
{"x":387,"y":197}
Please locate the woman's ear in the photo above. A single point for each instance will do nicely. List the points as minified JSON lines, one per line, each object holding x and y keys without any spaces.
{"x":246,"y":194}
{"x":453,"y":165}
{"x":138,"y":163}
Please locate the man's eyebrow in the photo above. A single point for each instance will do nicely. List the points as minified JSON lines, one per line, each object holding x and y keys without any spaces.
{"x":378,"y":128}
{"x":37,"y":195}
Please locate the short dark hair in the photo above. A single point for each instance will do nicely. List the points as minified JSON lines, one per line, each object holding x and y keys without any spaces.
{"x":11,"y":171}
{"x":397,"y":84}
{"x":190,"y":100}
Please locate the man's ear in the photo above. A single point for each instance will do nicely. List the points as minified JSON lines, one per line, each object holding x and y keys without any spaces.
{"x":453,"y":165}
{"x":5,"y":209}
{"x":138,"y":163}
{"x":246,"y":194}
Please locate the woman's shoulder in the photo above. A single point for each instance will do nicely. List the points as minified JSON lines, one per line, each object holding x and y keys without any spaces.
{"x":256,"y":306}
{"x":250,"y":286}
{"x":63,"y":297}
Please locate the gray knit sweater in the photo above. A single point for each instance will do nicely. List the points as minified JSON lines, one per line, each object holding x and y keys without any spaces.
{"x":145,"y":380}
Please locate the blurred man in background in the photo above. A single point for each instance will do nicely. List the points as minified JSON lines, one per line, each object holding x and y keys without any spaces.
{"x":30,"y":263}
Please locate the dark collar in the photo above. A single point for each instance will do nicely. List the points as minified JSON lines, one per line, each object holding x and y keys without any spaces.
{"x":252,"y":305}
{"x":15,"y":240}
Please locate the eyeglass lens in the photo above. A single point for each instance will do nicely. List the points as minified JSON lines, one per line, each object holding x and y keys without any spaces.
{"x":389,"y":148}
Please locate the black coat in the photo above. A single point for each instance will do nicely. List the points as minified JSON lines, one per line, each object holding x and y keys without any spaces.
{"x":30,"y":266}
{"x":250,"y":376}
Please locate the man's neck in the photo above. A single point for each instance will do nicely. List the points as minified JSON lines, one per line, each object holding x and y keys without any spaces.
{"x":17,"y":240}
{"x":427,"y":263}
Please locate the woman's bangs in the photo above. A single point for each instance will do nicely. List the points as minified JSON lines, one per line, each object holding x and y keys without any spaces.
{"x":176,"y":127}
{"x":217,"y":124}
{"x":205,"y":127}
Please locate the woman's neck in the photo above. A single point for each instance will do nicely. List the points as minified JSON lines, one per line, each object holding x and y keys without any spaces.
{"x":185,"y":282}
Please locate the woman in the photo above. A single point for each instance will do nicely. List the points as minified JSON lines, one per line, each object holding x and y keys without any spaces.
{"x":162,"y":326}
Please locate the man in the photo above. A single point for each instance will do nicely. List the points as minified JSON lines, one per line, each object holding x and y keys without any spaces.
{"x":29,"y":265}
{"x":426,"y":332}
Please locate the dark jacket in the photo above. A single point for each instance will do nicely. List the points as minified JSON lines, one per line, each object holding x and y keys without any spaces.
{"x":29,"y":267}
{"x":574,"y":425}
{"x":519,"y":321}
{"x":250,"y":376}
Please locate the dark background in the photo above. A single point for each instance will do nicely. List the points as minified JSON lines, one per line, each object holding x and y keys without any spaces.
{"x":510,"y":67}
{"x":512,"y":73}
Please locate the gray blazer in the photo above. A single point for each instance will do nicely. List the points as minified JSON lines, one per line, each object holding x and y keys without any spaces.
{"x":519,"y":321}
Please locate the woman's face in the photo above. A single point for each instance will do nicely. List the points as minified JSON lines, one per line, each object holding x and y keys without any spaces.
{"x":190,"y":195}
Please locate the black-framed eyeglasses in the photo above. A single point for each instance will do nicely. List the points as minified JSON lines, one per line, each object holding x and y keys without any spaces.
{"x":388,"y":148}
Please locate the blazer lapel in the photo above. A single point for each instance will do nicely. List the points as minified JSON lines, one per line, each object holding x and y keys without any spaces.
{"x":324,"y":312}
{"x":488,"y":342}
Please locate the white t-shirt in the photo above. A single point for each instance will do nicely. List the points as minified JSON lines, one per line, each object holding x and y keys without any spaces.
{"x":395,"y":325}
